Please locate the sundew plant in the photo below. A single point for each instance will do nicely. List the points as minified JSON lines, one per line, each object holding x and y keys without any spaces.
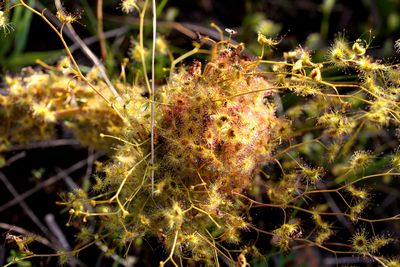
{"x":232,"y":159}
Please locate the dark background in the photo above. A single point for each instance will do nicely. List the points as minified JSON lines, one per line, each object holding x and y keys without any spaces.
{"x":297,"y":19}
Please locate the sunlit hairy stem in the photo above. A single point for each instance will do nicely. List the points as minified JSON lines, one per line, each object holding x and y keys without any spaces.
{"x":320,"y":82}
{"x":153,"y":52}
{"x":206,"y":213}
{"x":260,"y":204}
{"x":252,"y":92}
{"x":311,"y":243}
{"x":275,"y":62}
{"x":122,"y":140}
{"x":133,"y":195}
{"x":216,"y":250}
{"x":70,"y":253}
{"x":318,"y":191}
{"x":367,"y":91}
{"x":92,"y":214}
{"x":170,"y":257}
{"x":141,"y":45}
{"x":345,"y":96}
{"x":368,"y":177}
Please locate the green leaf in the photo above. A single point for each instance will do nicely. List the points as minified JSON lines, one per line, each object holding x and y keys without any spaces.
{"x":14,"y":62}
{"x":160,"y":7}
{"x":92,"y":18}
{"x":21,"y":20}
